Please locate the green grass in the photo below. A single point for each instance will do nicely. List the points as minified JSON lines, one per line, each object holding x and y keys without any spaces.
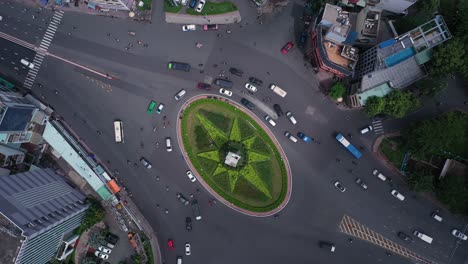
{"x":171,"y":9}
{"x":148,"y":249}
{"x":220,"y":121}
{"x":146,"y":5}
{"x":268,"y":194}
{"x":213,"y":9}
{"x":395,"y":156}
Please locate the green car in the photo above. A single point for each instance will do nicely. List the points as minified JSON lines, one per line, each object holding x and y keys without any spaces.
{"x":151,"y":107}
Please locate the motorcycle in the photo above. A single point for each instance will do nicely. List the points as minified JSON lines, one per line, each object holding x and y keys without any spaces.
{"x":132,"y":33}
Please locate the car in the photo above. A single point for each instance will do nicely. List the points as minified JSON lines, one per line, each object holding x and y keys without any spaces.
{"x":225,"y":92}
{"x":361,"y":183}
{"x":287,"y":47}
{"x":151,"y":107}
{"x":250,"y":87}
{"x":236,"y":71}
{"x":104,"y":250}
{"x":397,"y":195}
{"x":304,"y":137}
{"x":191,"y":176}
{"x":302,"y":39}
{"x":146,"y":163}
{"x":196,"y":210}
{"x":180,"y":66}
{"x":248,"y":104}
{"x":101,"y":255}
{"x":405,"y":237}
{"x":200,"y":6}
{"x":192,"y":3}
{"x":278,"y":109}
{"x":170,"y":243}
{"x":188,"y":224}
{"x":204,"y":86}
{"x":328,"y":246}
{"x":187,"y":249}
{"x":459,"y":234}
{"x":379,"y":175}
{"x":270,"y":120}
{"x":291,"y":118}
{"x":223,"y":83}
{"x":26,"y":63}
{"x":256,"y":81}
{"x":290,"y":136}
{"x":182,"y":199}
{"x":180,"y":94}
{"x":160,"y":108}
{"x":366,"y":129}
{"x":189,"y":27}
{"x":208,"y":27}
{"x":111,"y":240}
{"x":168,"y":144}
{"x":340,"y":186}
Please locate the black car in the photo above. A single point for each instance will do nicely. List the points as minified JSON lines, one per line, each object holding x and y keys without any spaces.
{"x":278,"y":110}
{"x":204,"y":86}
{"x":405,"y":237}
{"x":182,"y":199}
{"x":255,"y":81}
{"x":188,"y":224}
{"x":248,"y":104}
{"x":192,"y":3}
{"x":236,"y":71}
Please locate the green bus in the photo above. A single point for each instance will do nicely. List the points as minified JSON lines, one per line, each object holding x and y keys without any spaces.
{"x":151,"y":107}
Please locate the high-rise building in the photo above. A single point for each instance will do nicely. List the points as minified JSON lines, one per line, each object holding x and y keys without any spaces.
{"x":46,"y":209}
{"x":16,"y":113}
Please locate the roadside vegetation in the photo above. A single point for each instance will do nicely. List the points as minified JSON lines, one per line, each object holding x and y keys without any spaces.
{"x":94,"y":215}
{"x":146,"y":5}
{"x":395,"y":104}
{"x":171,"y":9}
{"x":337,"y":91}
{"x":211,"y":129}
{"x":212,"y":8}
{"x":430,"y":143}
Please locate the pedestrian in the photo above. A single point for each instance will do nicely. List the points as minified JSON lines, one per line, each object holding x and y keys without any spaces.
{"x":99,"y":132}
{"x":350,"y":240}
{"x":167,"y":188}
{"x":129,"y":162}
{"x":157,"y":205}
{"x":157,"y":178}
{"x":198,"y":190}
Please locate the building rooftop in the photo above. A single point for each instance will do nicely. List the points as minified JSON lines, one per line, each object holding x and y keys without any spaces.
{"x":337,"y":20}
{"x":232,"y":159}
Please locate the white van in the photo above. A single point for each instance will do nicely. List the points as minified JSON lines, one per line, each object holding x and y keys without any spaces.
{"x":366,"y":129}
{"x":270,"y":120}
{"x":291,"y":118}
{"x":168,"y":144}
{"x":276,"y":89}
{"x":436,"y":216}
{"x":180,"y":94}
{"x":290,"y":136}
{"x":379,"y":175}
{"x":423,"y":237}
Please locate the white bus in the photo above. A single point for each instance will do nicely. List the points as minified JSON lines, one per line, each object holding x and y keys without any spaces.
{"x":118,"y":128}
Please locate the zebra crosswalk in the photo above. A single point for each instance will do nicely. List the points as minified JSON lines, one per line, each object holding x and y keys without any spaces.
{"x":378,"y":127}
{"x":43,"y":47}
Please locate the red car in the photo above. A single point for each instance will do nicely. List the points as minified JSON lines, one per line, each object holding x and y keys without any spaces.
{"x":286,"y":48}
{"x":210,"y":27}
{"x":170,"y":243}
{"x":204,"y":86}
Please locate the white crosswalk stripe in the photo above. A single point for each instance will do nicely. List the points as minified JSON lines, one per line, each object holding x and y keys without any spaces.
{"x":44,"y":45}
{"x":378,"y":127}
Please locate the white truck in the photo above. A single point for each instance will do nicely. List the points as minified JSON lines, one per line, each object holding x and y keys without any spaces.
{"x":422,"y":236}
{"x":276,"y":89}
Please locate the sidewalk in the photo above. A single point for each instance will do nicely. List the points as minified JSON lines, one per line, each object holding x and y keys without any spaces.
{"x":208,"y":188}
{"x":227,"y":18}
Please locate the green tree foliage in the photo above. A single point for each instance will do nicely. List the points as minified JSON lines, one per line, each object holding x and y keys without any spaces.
{"x":449,"y":58}
{"x":453,"y":192}
{"x":374,"y":105}
{"x":431,"y":86}
{"x":446,"y":133}
{"x":398,"y":103}
{"x":337,"y":90}
{"x":94,"y":215}
{"x":421,"y":180}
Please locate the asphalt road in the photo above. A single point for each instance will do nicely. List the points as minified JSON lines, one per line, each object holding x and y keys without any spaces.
{"x":90,"y":103}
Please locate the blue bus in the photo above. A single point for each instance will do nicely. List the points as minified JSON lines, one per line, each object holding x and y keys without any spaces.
{"x":348,"y":146}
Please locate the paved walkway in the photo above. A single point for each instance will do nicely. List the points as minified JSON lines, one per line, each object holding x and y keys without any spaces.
{"x":266,"y":129}
{"x":227,"y":18}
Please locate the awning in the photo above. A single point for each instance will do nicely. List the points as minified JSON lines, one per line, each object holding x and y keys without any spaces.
{"x":113,"y":186}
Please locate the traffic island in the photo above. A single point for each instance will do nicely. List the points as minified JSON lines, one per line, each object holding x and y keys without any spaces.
{"x":235,"y":156}
{"x":212,"y":13}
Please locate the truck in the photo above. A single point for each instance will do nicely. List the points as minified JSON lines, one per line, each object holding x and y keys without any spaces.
{"x":423,"y":236}
{"x":348,"y":146}
{"x":276,"y":89}
{"x":196,"y":210}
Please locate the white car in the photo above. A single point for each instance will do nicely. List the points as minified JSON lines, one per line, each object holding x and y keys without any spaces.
{"x":366,"y":129}
{"x":101,"y":255}
{"x":339,"y":186}
{"x":191,"y":176}
{"x":104,"y":250}
{"x":200,"y":6}
{"x":146,"y":163}
{"x":459,"y":234}
{"x":270,"y":120}
{"x":397,"y":195}
{"x":291,"y":117}
{"x":189,"y":27}
{"x":168,"y":144}
{"x":187,"y":249}
{"x":27,"y":63}
{"x":225,"y":92}
{"x":250,"y":87}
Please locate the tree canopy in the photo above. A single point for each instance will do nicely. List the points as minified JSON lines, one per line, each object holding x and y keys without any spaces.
{"x":94,"y":215}
{"x":452,"y":191}
{"x":446,"y":133}
{"x":450,"y":58}
{"x":396,"y":104}
{"x":337,"y":90}
{"x":374,"y":105}
{"x":421,"y":180}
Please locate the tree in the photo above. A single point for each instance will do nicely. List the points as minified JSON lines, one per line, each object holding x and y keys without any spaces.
{"x":452,"y":191}
{"x":446,"y":133}
{"x":94,"y":215}
{"x":449,"y":58}
{"x":398,"y":103}
{"x":431,"y":86}
{"x":421,"y":180}
{"x":374,"y":105}
{"x":337,"y":90}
